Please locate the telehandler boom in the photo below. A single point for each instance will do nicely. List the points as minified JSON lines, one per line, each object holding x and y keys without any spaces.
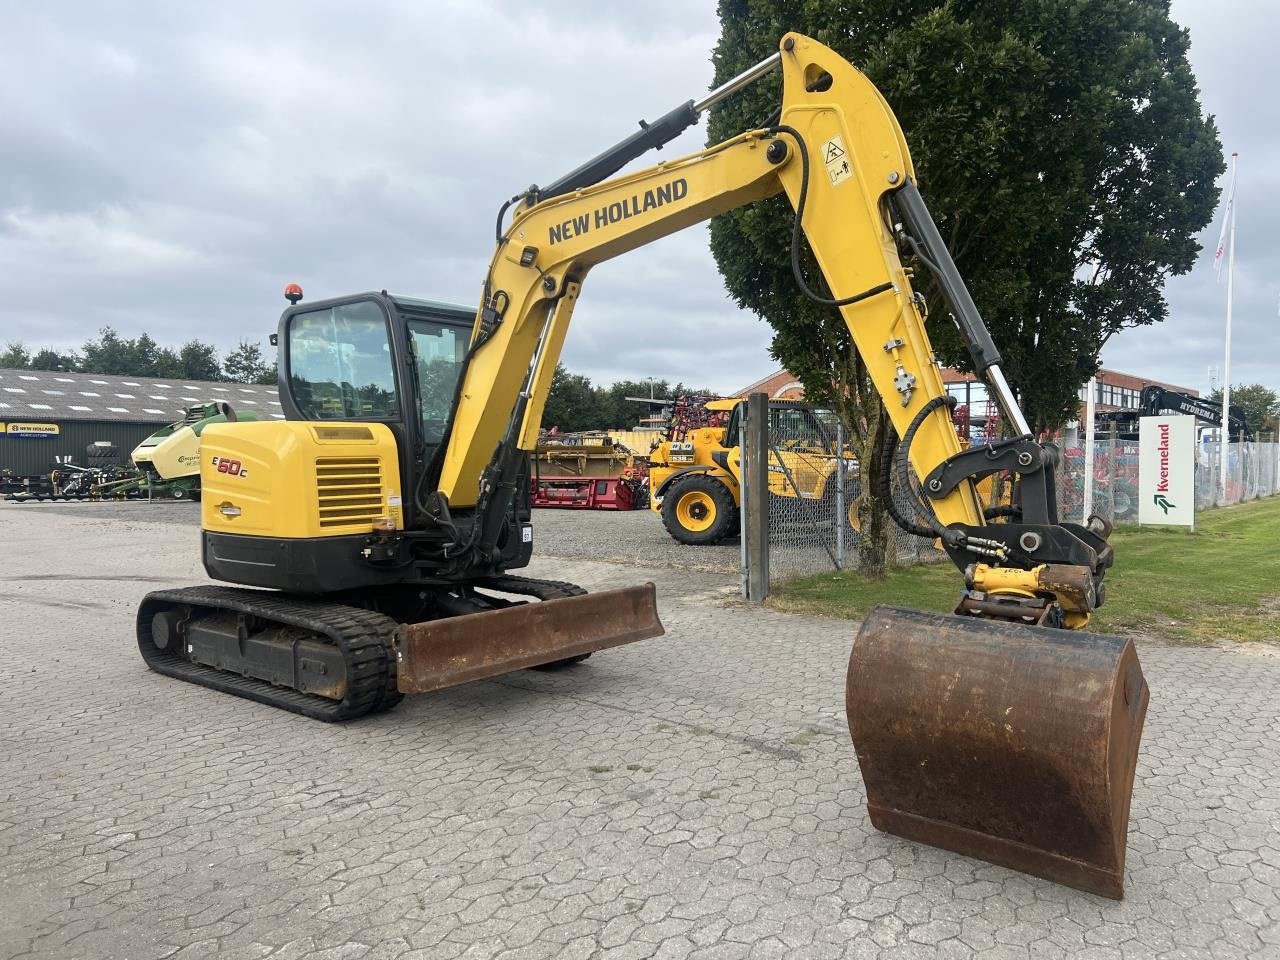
{"x":387,"y":510}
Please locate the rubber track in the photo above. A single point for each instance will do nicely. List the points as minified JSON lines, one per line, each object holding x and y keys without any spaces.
{"x":363,"y":636}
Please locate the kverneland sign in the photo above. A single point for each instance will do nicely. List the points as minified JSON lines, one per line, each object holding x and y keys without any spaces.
{"x":1166,"y":470}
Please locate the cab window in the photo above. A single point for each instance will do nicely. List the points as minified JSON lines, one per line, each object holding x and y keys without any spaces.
{"x":438,"y":349}
{"x":340,"y":365}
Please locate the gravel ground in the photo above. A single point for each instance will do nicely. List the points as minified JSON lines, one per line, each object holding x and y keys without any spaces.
{"x":636,"y":538}
{"x":691,"y":796}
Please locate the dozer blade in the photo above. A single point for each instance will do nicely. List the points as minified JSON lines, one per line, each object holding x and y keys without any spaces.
{"x":1010,"y":743}
{"x":443,"y":653}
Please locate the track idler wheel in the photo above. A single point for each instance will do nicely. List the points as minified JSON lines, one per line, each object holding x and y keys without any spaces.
{"x":1010,"y":743}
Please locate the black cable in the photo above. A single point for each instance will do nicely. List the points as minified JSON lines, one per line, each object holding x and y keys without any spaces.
{"x":795,"y":231}
{"x":884,"y":488}
{"x":994,"y":513}
{"x":901,"y":466}
{"x":948,"y":535}
{"x":502,"y":212}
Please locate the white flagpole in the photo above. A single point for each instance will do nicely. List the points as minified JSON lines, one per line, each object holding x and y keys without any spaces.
{"x":1225,"y":433}
{"x":1089,"y":440}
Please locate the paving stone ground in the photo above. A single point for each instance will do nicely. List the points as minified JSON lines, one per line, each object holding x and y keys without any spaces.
{"x":692,"y":796}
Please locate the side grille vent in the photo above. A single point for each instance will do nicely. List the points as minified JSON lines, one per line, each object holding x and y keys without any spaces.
{"x":349,"y":489}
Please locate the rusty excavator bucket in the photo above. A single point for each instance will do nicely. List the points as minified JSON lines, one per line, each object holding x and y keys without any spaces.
{"x":1009,"y":743}
{"x":443,"y":653}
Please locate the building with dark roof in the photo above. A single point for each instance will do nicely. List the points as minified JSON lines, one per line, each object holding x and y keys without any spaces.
{"x":50,"y":415}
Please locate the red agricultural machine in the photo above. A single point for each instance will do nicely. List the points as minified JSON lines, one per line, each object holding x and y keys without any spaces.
{"x":588,"y":471}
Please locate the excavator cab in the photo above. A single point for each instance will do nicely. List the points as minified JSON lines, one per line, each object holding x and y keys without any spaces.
{"x":367,"y":386}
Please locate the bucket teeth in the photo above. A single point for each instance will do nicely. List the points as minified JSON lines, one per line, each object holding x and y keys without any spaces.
{"x":1009,"y":743}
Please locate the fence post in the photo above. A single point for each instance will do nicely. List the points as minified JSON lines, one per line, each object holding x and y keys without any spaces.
{"x":755,"y":495}
{"x":840,"y":508}
{"x":745,"y":562}
{"x":1090,"y":440}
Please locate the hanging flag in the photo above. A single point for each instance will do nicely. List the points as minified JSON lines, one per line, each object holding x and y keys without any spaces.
{"x":1226,"y":224}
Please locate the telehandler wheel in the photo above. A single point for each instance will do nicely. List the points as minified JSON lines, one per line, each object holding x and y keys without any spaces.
{"x":699,"y":509}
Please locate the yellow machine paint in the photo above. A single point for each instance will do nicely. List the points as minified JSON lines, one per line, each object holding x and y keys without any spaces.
{"x":294,"y":480}
{"x":696,"y":483}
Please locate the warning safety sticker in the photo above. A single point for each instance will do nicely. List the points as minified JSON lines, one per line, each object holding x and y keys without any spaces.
{"x":836,"y":161}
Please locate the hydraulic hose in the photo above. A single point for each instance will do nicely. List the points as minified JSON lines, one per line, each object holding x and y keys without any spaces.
{"x":901,"y":466}
{"x":884,"y":487}
{"x":795,"y":231}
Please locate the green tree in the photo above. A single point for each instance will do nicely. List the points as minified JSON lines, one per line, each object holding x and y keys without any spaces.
{"x":15,"y":356}
{"x":616,"y":411}
{"x":199,"y":361}
{"x":571,"y":403}
{"x":1260,"y":405}
{"x":245,"y":364}
{"x":1061,"y":147}
{"x":110,"y":354}
{"x":47,"y":359}
{"x":140,"y":357}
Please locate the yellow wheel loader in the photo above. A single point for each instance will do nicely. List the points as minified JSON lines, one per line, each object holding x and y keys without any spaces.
{"x":696,"y":482}
{"x":380,"y":523}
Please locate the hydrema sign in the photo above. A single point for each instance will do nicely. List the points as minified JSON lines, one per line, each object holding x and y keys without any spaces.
{"x":1166,"y":470}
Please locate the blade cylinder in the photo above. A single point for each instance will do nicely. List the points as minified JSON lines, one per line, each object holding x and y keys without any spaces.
{"x":1009,"y":743}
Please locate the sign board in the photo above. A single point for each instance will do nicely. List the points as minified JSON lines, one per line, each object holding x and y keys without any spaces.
{"x":30,"y":429}
{"x":1166,"y":470}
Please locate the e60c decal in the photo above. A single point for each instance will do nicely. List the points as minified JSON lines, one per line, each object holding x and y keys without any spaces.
{"x":228,"y":466}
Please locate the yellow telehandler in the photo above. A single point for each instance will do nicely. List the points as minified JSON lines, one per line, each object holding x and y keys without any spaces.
{"x":384,"y":515}
{"x":695,"y":481}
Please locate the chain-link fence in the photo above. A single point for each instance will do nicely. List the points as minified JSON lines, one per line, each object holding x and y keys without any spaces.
{"x":815,"y":490}
{"x":1114,"y":480}
{"x":815,"y":486}
{"x":1253,"y":471}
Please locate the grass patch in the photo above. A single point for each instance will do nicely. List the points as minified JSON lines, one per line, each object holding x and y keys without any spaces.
{"x":1221,"y":582}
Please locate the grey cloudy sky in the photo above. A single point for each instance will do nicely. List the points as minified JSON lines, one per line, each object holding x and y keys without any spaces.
{"x":168,"y":167}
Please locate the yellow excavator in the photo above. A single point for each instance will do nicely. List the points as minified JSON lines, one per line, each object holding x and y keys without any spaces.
{"x":384,"y":515}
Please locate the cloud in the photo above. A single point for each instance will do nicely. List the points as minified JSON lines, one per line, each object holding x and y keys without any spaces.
{"x":168,"y":168}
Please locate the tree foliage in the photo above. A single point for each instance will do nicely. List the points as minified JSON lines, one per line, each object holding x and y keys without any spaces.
{"x":574,"y":404}
{"x":1060,"y":145}
{"x":111,"y":353}
{"x":571,"y":403}
{"x":47,"y":359}
{"x":246,"y":364}
{"x":1260,"y":405}
{"x":15,"y":356}
{"x":199,"y":361}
